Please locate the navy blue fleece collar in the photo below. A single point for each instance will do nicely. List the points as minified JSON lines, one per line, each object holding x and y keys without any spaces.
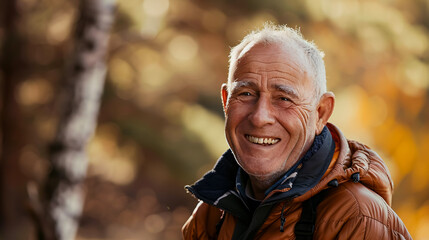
{"x":217,"y":181}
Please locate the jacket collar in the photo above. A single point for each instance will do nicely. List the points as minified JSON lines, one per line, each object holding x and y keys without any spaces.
{"x":215,"y":183}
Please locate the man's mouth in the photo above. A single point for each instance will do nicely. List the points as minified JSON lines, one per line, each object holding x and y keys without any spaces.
{"x":262,"y":141}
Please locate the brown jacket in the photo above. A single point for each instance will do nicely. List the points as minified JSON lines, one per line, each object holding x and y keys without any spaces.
{"x":352,"y":210}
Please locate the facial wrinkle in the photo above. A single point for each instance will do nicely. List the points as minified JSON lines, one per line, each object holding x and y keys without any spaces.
{"x":294,"y":153}
{"x":296,"y":68}
{"x":304,"y":111}
{"x":270,"y":65}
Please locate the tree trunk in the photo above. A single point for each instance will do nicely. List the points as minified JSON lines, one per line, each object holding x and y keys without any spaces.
{"x":84,"y":81}
{"x":12,"y":180}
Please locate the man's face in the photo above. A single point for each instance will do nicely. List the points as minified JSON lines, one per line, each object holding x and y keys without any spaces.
{"x":271,"y":112}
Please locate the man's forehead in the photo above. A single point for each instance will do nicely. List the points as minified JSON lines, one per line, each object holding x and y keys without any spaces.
{"x":273,"y":68}
{"x":271,"y":57}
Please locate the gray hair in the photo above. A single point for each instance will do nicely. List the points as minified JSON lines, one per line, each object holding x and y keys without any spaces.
{"x":287,"y":37}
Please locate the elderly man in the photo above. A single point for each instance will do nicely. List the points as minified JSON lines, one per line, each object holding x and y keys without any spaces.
{"x":289,"y":173}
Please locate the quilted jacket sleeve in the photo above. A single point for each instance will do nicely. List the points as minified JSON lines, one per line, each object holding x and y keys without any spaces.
{"x":365,"y":227}
{"x":353,"y":211}
{"x":202,"y":223}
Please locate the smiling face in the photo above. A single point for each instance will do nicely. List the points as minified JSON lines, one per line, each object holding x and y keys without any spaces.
{"x":272,"y":115}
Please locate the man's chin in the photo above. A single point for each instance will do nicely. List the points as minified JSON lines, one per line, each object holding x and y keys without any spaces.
{"x":256,"y":170}
{"x":264,"y":178}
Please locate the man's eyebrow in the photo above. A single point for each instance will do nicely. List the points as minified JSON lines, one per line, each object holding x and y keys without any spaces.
{"x":286,"y":89}
{"x":242,"y":83}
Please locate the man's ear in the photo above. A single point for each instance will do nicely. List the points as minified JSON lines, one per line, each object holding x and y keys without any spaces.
{"x":324,"y":110}
{"x":224,"y":95}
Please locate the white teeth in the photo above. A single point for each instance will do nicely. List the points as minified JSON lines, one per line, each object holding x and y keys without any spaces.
{"x":257,"y":140}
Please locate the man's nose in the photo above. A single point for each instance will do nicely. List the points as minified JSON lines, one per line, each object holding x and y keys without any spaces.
{"x":262,"y":112}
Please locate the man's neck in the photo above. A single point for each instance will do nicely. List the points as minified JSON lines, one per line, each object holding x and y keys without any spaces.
{"x":261,"y":184}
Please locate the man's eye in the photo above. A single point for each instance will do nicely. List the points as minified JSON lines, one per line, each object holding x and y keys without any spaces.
{"x":245,"y":94}
{"x":285,"y":99}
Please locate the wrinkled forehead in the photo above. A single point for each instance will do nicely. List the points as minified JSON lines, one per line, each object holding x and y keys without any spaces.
{"x":272,"y":57}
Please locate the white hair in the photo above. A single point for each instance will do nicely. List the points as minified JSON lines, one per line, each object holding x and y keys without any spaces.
{"x":289,"y":38}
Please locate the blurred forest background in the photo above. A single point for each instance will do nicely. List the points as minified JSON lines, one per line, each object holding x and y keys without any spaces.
{"x":160,"y":124}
